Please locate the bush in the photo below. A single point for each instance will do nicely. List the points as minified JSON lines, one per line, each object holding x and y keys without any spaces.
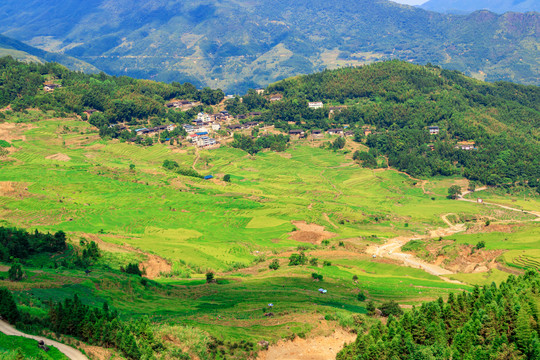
{"x":132,"y":268}
{"x":297,"y":259}
{"x":210,"y":277}
{"x":316,"y":276}
{"x":227,"y":178}
{"x":391,"y":308}
{"x":274,"y":265}
{"x":361,"y":296}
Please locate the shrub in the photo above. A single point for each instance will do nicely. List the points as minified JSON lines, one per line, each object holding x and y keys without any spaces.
{"x":297,"y":259}
{"x":390,"y":308}
{"x":274,"y":265}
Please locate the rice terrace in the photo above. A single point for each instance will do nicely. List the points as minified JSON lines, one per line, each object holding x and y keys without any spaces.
{"x":228,"y":253}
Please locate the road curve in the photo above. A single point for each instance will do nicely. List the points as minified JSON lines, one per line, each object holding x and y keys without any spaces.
{"x":70,"y":352}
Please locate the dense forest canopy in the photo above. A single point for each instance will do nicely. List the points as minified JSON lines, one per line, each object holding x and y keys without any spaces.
{"x":488,"y":323}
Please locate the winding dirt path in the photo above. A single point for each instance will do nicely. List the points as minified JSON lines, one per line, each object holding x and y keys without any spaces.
{"x":391,"y":248}
{"x":70,"y":352}
{"x":196,"y":158}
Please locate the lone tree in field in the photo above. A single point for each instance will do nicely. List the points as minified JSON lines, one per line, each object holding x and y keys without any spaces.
{"x":274,"y":265}
{"x":454,"y":191}
{"x":15,"y":272}
{"x":227,"y":178}
{"x":210,"y":277}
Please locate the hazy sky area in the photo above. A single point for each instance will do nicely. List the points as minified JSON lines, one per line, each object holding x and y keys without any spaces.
{"x":410,"y":2}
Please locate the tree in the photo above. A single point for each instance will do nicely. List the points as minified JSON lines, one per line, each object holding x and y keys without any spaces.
{"x":339,"y":143}
{"x":361,"y":296}
{"x":15,"y":272}
{"x":297,"y":259}
{"x":227,"y":178}
{"x":8,"y":307}
{"x":132,"y":268}
{"x":454,"y":192}
{"x":210,"y":277}
{"x":390,"y":308}
{"x":370,"y":308}
{"x":274,"y":265}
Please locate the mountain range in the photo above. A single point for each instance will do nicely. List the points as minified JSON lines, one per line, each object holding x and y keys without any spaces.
{"x":468,"y":6}
{"x":24,"y":52}
{"x":237,"y":44}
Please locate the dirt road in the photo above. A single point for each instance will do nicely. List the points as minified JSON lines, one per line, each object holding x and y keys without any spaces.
{"x":391,"y":249}
{"x":530,"y":212}
{"x":70,"y":352}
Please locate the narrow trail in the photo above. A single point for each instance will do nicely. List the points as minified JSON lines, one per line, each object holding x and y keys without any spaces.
{"x":70,"y":352}
{"x":530,"y":212}
{"x":196,"y":158}
{"x":391,"y":249}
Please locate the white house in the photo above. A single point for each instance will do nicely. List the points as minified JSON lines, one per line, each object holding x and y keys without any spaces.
{"x":315,"y":105}
{"x":204,"y":117}
{"x":216,"y":127}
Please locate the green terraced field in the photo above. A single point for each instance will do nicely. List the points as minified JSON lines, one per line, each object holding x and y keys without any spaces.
{"x":235,"y":228}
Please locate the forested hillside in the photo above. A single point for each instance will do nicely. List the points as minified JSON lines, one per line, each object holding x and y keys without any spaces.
{"x":399,"y":101}
{"x":21,"y":51}
{"x":236,"y":45}
{"x":396,"y":100}
{"x":488,"y":323}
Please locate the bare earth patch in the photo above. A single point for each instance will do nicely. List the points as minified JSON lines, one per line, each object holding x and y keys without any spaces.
{"x":153,"y":265}
{"x":10,"y":131}
{"x":58,"y":157}
{"x":14,"y":189}
{"x":315,"y":348}
{"x":310,"y":233}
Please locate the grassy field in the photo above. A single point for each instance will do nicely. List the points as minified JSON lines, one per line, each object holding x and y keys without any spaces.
{"x":13,"y":347}
{"x":62,"y":176}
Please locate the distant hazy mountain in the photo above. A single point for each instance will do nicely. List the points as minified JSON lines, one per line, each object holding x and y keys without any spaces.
{"x":235,"y":44}
{"x":468,"y":6}
{"x":21,"y":51}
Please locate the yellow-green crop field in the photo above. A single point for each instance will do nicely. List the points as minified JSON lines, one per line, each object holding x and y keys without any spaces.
{"x":62,"y":176}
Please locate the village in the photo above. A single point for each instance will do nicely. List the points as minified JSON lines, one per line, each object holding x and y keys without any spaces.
{"x":210,"y":131}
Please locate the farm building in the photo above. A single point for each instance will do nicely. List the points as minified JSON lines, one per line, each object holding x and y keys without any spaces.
{"x":465,"y":145}
{"x":276,"y":97}
{"x":250,"y":124}
{"x":204,"y":117}
{"x":433,"y":130}
{"x":335,"y":131}
{"x":315,"y":105}
{"x":296,"y":132}
{"x":89,"y":112}
{"x":204,"y":141}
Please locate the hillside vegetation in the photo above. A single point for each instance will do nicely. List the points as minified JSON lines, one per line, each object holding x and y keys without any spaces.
{"x":399,"y":101}
{"x":125,"y":250}
{"x":488,"y":323}
{"x":236,"y":45}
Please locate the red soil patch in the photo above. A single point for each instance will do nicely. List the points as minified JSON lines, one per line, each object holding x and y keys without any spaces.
{"x":310,"y":233}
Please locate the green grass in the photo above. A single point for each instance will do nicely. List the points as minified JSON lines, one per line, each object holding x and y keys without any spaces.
{"x":11,"y":345}
{"x":201,"y":226}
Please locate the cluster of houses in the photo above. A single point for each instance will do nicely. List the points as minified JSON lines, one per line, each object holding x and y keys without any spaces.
{"x":319,"y":133}
{"x":155,"y":130}
{"x":462,"y":145}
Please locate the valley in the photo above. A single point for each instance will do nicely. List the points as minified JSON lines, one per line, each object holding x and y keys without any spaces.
{"x":349,"y":204}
